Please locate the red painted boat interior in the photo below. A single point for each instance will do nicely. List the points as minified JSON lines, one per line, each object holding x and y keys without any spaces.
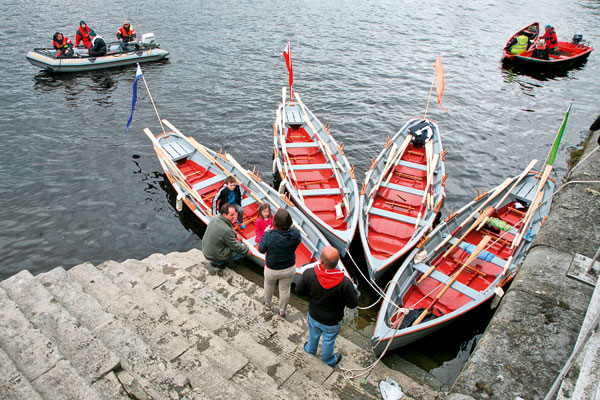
{"x":567,"y":50}
{"x":323,"y":206}
{"x":478,"y":277}
{"x":196,"y":173}
{"x":388,"y":236}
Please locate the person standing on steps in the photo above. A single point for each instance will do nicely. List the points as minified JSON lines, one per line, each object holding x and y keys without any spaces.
{"x":329,"y":291}
{"x":279,"y":244}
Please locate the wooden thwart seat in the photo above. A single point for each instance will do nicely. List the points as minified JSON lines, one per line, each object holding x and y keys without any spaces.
{"x":176,"y":150}
{"x":443,"y":278}
{"x":394,"y":216}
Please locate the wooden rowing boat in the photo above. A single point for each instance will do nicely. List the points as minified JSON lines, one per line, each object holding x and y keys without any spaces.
{"x":448,"y":277}
{"x":197,"y":173}
{"x":315,"y":172}
{"x":402,"y":195}
{"x":532,"y":31}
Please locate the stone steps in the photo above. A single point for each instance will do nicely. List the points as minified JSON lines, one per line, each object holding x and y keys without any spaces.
{"x":163,"y":328}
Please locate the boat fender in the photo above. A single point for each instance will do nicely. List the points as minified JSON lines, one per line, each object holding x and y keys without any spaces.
{"x":178,"y":202}
{"x":498,"y":295}
{"x":282,"y":187}
{"x":483,"y":255}
{"x":420,"y":256}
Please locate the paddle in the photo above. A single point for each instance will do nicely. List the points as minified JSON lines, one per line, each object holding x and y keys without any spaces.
{"x":472,"y":257}
{"x":177,"y":175}
{"x":537,"y":198}
{"x":399,"y":155}
{"x":519,"y":179}
{"x":325,"y":148}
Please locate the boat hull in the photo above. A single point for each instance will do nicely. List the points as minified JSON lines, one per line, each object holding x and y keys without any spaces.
{"x":316,"y":173}
{"x":570,"y":55}
{"x":391,"y":209}
{"x":43,"y":58}
{"x":532,"y":31}
{"x":477,"y":283}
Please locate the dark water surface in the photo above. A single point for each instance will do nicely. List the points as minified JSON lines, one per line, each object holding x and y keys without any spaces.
{"x":75,"y":187}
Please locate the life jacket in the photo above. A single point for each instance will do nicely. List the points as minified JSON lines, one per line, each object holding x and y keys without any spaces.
{"x":126,"y":34}
{"x":61,"y":45}
{"x":521,"y":45}
{"x":83,"y":35}
{"x":551,"y":40}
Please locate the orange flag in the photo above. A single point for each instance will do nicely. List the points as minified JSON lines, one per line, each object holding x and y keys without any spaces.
{"x":439,"y":72}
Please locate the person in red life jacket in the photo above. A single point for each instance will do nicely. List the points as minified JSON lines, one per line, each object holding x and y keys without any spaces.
{"x":63,"y":45}
{"x":551,"y":40}
{"x":83,"y":35}
{"x":329,"y":292}
{"x":98,"y":48}
{"x":126,"y":34}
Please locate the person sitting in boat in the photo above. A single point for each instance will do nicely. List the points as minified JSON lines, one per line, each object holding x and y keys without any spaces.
{"x":83,"y":35}
{"x":540,"y":51}
{"x":518,"y":44}
{"x":63,"y":45}
{"x":551,"y":40}
{"x":232,"y":194}
{"x":98,"y":48}
{"x":126,"y":34}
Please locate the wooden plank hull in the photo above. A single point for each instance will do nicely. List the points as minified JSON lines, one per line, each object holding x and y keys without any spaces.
{"x":307,"y":173}
{"x":476,"y":284}
{"x":206,"y":178}
{"x":389,"y":229}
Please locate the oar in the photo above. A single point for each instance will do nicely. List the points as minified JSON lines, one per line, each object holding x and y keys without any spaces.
{"x":389,"y":165}
{"x":496,"y":192}
{"x":177,"y":175}
{"x":205,"y":152}
{"x":482,"y":217}
{"x":325,"y":148}
{"x":519,"y":179}
{"x":234,"y":162}
{"x":286,"y":158}
{"x":429,"y":179}
{"x":399,"y":155}
{"x":472,"y":257}
{"x":386,"y":167}
{"x":537,"y":198}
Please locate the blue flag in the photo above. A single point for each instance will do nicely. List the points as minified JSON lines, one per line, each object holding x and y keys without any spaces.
{"x":138,"y":75}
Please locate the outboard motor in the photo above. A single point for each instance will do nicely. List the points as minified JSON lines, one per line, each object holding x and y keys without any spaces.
{"x":149,"y":40}
{"x":577,"y":38}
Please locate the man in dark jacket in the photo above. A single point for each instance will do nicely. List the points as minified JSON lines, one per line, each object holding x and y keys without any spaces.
{"x":98,"y":48}
{"x":220,"y":243}
{"x":329,"y":292}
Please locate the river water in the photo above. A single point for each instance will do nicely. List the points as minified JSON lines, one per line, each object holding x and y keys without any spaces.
{"x":75,"y":187}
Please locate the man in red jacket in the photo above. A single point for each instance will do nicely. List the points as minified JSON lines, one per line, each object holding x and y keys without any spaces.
{"x":551,"y":40}
{"x":329,"y":292}
{"x":126,"y":34}
{"x":83,"y":35}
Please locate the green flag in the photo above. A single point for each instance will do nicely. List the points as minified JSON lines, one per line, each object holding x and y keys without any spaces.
{"x":554,"y":149}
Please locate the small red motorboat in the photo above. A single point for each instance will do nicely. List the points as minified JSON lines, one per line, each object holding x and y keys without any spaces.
{"x":569,"y":54}
{"x":531,"y":31}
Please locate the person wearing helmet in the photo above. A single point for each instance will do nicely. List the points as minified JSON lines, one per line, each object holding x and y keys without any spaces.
{"x":551,"y":40}
{"x":98,"y":48}
{"x":63,"y":45}
{"x":126,"y":34}
{"x":83,"y":35}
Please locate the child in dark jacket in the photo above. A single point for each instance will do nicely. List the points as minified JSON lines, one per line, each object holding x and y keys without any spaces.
{"x":230,"y":193}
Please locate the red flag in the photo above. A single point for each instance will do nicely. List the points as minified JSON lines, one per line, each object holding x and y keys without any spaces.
{"x":439,"y":72}
{"x":288,"y":62}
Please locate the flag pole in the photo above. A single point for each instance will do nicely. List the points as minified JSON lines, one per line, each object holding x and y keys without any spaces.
{"x":430,"y":91}
{"x":152,"y":100}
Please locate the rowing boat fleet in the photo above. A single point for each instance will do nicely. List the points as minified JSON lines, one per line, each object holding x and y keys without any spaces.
{"x":438,"y":273}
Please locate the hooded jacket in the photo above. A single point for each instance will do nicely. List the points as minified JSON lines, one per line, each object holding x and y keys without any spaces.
{"x":83,"y":35}
{"x":329,"y":292}
{"x":280,"y":247}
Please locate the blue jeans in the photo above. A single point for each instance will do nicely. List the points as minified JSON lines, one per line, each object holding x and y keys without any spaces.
{"x":238,"y":256}
{"x":329,"y":333}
